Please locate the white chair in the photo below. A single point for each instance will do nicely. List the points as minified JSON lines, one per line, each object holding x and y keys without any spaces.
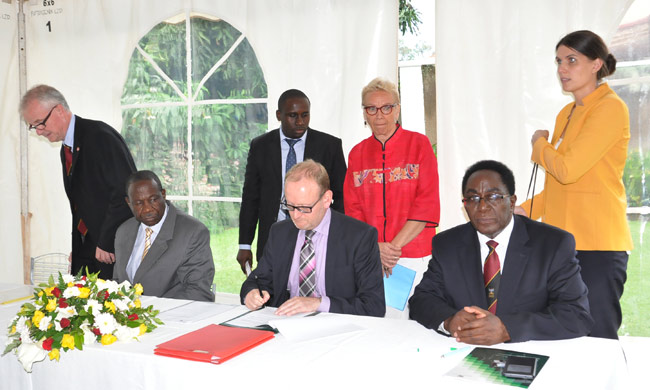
{"x":48,"y":264}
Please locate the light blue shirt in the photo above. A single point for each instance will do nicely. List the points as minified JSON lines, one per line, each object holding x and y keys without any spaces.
{"x":299,"y":148}
{"x":69,"y":134}
{"x":138,"y":247}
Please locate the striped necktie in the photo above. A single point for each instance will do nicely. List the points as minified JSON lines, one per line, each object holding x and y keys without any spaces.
{"x":147,"y":242}
{"x":307,"y":275}
{"x":492,"y":276}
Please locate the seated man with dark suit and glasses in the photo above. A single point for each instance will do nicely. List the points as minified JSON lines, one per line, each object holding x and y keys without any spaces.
{"x":320,"y":259}
{"x":501,"y":278}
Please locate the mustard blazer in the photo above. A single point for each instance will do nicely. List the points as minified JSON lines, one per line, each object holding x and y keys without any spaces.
{"x":583,"y":191}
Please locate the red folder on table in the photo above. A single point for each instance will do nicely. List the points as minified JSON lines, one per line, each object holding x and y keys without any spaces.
{"x":213,"y":343}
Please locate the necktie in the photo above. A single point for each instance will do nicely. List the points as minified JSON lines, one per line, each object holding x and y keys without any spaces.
{"x":492,"y":276}
{"x":291,"y":156}
{"x":147,"y":242}
{"x":307,"y":275}
{"x":67,"y":151}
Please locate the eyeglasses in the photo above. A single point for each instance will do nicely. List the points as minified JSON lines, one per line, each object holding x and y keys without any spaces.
{"x":303,"y":209}
{"x":490,"y":199}
{"x":387,"y":109}
{"x":41,"y":125}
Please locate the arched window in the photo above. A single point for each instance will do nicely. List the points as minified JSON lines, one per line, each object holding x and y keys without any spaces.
{"x":194,"y":97}
{"x":631,"y":81}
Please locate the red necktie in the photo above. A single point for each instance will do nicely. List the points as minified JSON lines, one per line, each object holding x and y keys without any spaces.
{"x":492,"y":276}
{"x":67,"y":151}
{"x":68,"y":158}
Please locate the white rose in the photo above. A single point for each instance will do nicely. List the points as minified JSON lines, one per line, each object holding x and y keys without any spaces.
{"x":71,"y":292}
{"x":105,"y":322}
{"x":45,"y":322}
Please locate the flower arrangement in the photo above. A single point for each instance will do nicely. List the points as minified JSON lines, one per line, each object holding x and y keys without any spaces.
{"x":77,"y":311}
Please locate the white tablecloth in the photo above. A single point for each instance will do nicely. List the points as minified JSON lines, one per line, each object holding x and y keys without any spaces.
{"x":386,"y":354}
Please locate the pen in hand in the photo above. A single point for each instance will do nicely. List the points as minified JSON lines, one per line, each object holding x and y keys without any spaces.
{"x":260,"y":290}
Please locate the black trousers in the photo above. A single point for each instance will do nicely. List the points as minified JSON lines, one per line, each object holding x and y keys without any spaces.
{"x":604,"y":273}
{"x":83,"y":255}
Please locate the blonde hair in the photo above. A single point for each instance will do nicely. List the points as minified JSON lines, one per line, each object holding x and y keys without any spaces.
{"x":380,"y":84}
{"x":309,"y":169}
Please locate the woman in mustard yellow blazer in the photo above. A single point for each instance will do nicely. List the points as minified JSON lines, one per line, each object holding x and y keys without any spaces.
{"x":584,"y":163}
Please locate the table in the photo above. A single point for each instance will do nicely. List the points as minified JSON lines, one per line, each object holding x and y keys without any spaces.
{"x":387,"y":354}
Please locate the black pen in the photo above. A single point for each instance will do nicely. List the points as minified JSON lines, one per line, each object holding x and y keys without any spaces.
{"x":260,"y":290}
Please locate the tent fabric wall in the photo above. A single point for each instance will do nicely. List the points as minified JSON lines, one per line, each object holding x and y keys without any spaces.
{"x":11,"y":250}
{"x":83,"y":49}
{"x":497,"y":84}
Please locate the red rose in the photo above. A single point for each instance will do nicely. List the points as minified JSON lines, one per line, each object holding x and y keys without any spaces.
{"x":56,"y":292}
{"x":96,"y":331}
{"x":79,"y":285}
{"x":133,"y":317}
{"x":47,"y":344}
{"x":65,"y":322}
{"x":63,"y":303}
{"x":106,"y":294}
{"x":83,"y":278}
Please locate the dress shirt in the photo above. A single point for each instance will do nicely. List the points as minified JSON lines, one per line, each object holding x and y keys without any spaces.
{"x":319,"y":241}
{"x":503,"y":239}
{"x":299,"y":148}
{"x":69,"y":134}
{"x":138,"y":247}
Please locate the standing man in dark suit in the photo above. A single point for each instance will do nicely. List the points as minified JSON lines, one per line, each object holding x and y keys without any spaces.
{"x":161,"y":247}
{"x":270,"y":156}
{"x":527,"y":287}
{"x":96,"y":163}
{"x":318,"y":260}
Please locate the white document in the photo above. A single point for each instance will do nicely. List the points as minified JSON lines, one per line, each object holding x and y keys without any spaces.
{"x":308,"y":328}
{"x":258,"y":318}
{"x":193,"y":312}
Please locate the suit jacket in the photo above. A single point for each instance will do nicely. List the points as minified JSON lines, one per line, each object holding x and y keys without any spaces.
{"x":101,"y":163}
{"x":263,"y":180}
{"x":541,"y":294}
{"x":179,"y":263}
{"x":583,"y":190}
{"x":353,"y":276}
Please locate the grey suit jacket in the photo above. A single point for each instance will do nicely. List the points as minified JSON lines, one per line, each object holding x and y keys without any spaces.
{"x":178,"y":265}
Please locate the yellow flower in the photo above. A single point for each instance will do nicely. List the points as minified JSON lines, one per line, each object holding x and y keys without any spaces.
{"x":137,"y":303}
{"x":38,"y":316}
{"x":13,"y":329}
{"x":143,"y":329}
{"x":48,"y":291}
{"x":84,"y":292}
{"x":51,"y":305}
{"x":70,"y":284}
{"x":138,"y":289}
{"x":110,"y":306}
{"x":108,"y":339}
{"x":54,"y":354}
{"x":67,"y":341}
{"x":40,"y":293}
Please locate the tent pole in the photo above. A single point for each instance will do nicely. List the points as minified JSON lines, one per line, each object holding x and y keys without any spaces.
{"x":24,"y":193}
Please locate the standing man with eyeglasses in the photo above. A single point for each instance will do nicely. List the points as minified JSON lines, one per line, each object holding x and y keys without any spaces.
{"x":501,"y":278}
{"x":320,"y":259}
{"x":270,"y":156}
{"x":95,"y":162}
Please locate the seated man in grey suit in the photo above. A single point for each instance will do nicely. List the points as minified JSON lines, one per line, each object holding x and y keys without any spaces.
{"x":501,"y":278}
{"x":320,"y":260}
{"x":161,"y":247}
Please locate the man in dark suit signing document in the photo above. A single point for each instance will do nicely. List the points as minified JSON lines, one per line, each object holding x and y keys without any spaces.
{"x":319,"y":259}
{"x":501,"y":277}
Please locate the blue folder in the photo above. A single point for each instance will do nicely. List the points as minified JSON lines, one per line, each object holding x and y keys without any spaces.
{"x":398,"y":286}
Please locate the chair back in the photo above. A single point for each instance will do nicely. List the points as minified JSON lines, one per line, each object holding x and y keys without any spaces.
{"x":48,"y":264}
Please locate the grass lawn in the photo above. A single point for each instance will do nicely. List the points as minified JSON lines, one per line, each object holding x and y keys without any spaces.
{"x":636,"y":298}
